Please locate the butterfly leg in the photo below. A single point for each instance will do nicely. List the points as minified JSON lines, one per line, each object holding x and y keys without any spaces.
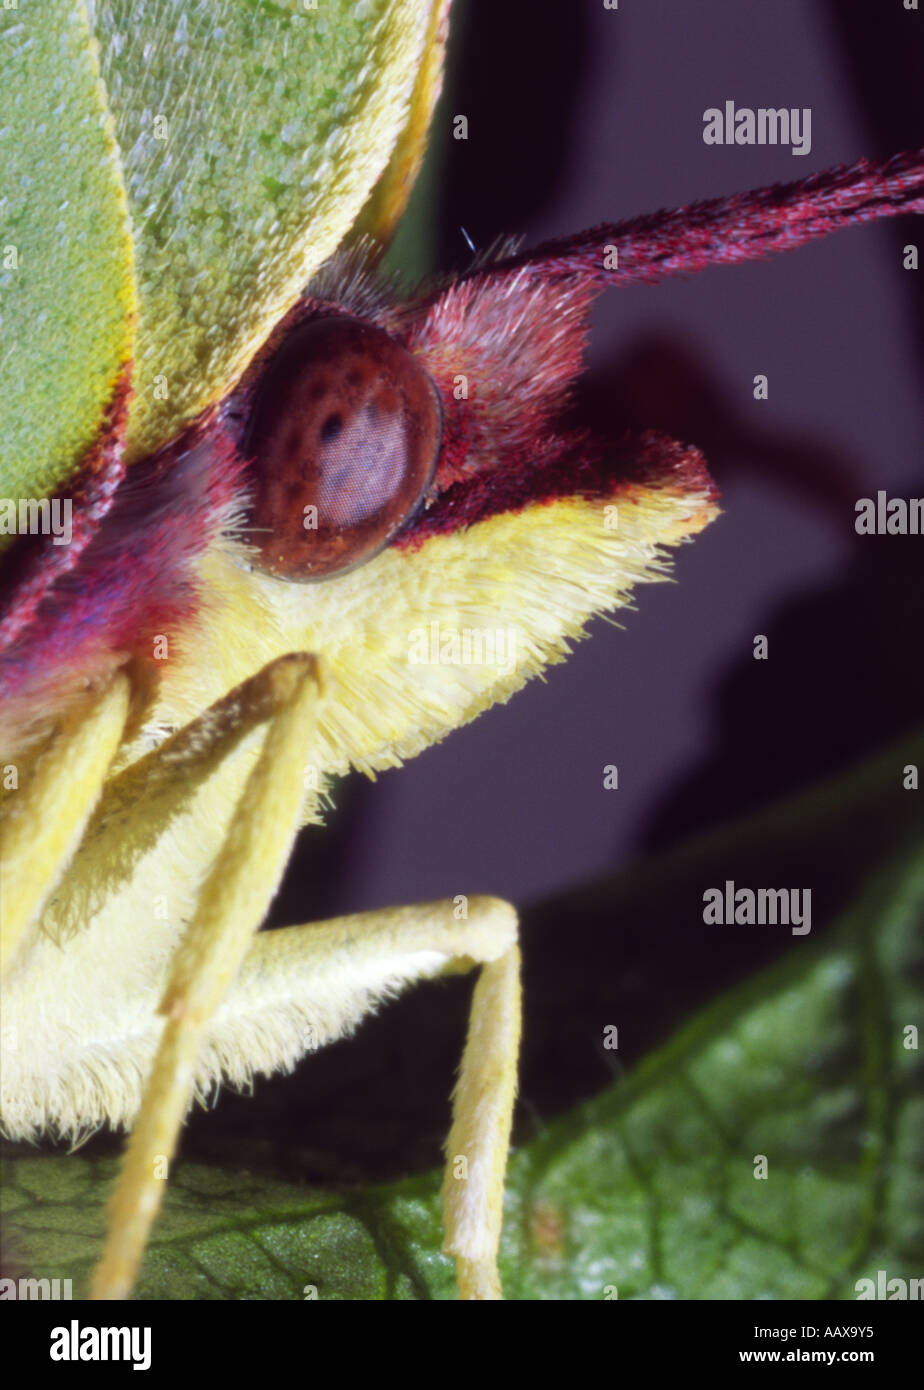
{"x":231,"y":906}
{"x":305,"y":986}
{"x":43,"y":822}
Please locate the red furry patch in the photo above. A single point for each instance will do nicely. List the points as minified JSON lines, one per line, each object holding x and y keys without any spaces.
{"x":34,"y":565}
{"x":134,"y":577}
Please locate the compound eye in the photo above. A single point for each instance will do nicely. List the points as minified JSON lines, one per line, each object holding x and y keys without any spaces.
{"x":344,"y":435}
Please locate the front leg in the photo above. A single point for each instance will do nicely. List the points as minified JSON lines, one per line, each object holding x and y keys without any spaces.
{"x":302,"y":987}
{"x":232,"y":904}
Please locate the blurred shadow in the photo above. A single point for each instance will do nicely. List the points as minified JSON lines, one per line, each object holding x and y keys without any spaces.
{"x":666,"y":384}
{"x":847,"y":674}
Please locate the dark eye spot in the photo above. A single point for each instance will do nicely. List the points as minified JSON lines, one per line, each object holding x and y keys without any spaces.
{"x":346,"y":421}
{"x":331,"y":428}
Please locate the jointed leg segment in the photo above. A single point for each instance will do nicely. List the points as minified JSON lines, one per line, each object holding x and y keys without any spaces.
{"x":232,"y":905}
{"x":330,"y":974}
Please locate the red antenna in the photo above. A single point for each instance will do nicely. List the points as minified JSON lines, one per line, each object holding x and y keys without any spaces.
{"x":724,"y":231}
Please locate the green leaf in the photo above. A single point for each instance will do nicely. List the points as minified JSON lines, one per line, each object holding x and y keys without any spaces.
{"x":807,"y":1065}
{"x":649,"y":1188}
{"x":252,"y":133}
{"x":66,"y":279}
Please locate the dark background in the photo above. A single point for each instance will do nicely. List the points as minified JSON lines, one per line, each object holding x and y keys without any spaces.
{"x":579,"y":115}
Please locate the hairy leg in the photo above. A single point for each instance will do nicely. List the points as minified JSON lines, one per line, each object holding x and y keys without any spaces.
{"x":44,"y":821}
{"x":233,"y":902}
